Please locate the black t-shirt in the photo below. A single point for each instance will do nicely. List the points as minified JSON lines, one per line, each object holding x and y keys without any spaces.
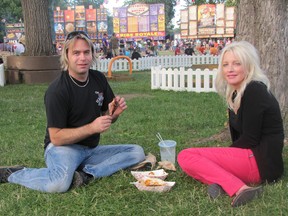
{"x":135,"y":55}
{"x":189,"y":51}
{"x":70,"y":106}
{"x":122,"y":44}
{"x":258,"y":126}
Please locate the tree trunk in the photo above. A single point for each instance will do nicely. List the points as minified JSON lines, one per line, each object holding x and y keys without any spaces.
{"x":38,"y":36}
{"x":265,"y":24}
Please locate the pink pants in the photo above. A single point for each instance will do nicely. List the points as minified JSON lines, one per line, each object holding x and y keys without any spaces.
{"x":229,"y":167}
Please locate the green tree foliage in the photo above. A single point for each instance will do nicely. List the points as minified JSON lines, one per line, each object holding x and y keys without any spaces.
{"x":10,"y":12}
{"x":200,"y":2}
{"x":71,"y":3}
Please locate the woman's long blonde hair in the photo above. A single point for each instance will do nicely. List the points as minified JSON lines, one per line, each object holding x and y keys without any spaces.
{"x":249,"y":59}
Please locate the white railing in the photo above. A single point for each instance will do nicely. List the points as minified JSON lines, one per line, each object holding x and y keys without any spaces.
{"x":183,"y":80}
{"x":145,"y":63}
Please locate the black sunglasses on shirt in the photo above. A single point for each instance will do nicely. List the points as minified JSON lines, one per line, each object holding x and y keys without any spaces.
{"x":76,"y":33}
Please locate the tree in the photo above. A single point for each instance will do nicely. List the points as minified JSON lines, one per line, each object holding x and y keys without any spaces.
{"x":265,"y":26}
{"x":37,"y":28}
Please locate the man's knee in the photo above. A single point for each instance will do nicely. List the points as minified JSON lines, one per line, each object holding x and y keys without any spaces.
{"x":139,"y":152}
{"x":60,"y":181}
{"x":57,"y":187}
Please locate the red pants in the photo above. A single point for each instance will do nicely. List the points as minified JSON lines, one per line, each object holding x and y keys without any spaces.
{"x":229,"y":167}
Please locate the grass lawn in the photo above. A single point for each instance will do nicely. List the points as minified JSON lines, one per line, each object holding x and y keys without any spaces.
{"x":185,"y":117}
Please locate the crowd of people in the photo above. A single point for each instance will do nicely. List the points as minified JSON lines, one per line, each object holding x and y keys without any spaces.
{"x":109,"y":47}
{"x":200,"y":46}
{"x":113,"y":46}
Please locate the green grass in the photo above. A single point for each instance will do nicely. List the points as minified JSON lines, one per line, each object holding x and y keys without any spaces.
{"x":182,"y":116}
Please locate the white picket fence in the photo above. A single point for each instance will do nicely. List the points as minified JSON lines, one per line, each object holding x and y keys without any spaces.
{"x":183,"y":80}
{"x":145,"y":63}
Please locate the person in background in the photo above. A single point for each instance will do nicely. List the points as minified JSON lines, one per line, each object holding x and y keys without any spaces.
{"x":213,"y":50}
{"x":131,"y":48}
{"x":175,"y":44}
{"x":122,"y":45}
{"x":114,"y":45}
{"x":58,"y":47}
{"x":109,"y":54}
{"x":155,"y":51}
{"x":148,"y":52}
{"x":97,"y":46}
{"x":136,"y":54}
{"x":80,"y":105}
{"x":177,"y":50}
{"x":207,"y":49}
{"x":19,"y":48}
{"x":256,"y":127}
{"x":201,"y":49}
{"x":105,"y":44}
{"x":189,"y":50}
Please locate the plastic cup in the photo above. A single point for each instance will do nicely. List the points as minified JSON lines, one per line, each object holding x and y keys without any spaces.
{"x":168,"y":150}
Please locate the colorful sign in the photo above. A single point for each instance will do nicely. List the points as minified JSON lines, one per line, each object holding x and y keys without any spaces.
{"x":14,"y":31}
{"x":209,"y":20}
{"x":59,"y":24}
{"x":140,"y":21}
{"x":92,"y":21}
{"x":69,"y":18}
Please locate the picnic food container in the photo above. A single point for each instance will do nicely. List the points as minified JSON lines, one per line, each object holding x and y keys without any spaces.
{"x":153,"y":184}
{"x":161,"y":174}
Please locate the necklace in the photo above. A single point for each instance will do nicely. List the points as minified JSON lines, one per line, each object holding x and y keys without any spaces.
{"x":81,"y":86}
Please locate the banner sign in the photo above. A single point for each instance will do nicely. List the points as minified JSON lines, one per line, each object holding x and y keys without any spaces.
{"x":14,"y":32}
{"x":208,"y":21}
{"x":139,"y":21}
{"x":91,"y":20}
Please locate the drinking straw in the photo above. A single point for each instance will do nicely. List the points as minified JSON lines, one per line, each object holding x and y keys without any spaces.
{"x":158,"y":135}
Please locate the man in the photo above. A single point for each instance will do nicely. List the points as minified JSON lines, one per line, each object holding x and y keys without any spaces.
{"x":122,"y":46}
{"x":114,"y":45}
{"x":105,"y":44}
{"x":80,"y":105}
{"x":136,"y":54}
{"x":189,"y":50}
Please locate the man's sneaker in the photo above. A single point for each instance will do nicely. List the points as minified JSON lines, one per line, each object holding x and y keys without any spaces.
{"x":5,"y":172}
{"x":80,"y":178}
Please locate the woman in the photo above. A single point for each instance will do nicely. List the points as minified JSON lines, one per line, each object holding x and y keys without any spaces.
{"x":255,"y":155}
{"x":177,"y":50}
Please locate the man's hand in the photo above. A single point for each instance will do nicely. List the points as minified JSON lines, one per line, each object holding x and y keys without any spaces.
{"x":101,"y":124}
{"x":117,"y":106}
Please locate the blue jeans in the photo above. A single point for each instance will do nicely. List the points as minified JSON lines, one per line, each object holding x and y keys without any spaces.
{"x":62,"y":161}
